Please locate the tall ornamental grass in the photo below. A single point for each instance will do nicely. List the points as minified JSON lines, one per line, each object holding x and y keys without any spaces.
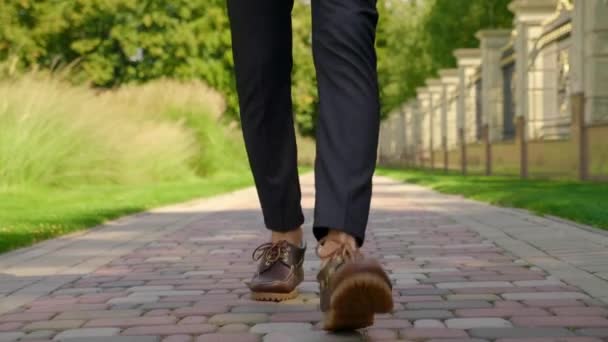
{"x":200,"y":110}
{"x":56,"y":134}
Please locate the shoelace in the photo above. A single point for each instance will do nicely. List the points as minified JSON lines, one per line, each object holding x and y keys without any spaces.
{"x":344,"y":250}
{"x":271,"y":252}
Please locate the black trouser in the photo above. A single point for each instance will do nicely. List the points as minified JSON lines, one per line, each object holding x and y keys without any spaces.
{"x":347,"y":130}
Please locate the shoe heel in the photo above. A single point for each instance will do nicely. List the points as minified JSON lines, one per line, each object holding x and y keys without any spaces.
{"x":355,"y":301}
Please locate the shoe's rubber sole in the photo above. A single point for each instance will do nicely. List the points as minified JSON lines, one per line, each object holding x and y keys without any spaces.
{"x":355,"y":301}
{"x":273,"y":297}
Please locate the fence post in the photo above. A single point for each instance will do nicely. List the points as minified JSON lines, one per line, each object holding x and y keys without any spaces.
{"x":444,"y":144}
{"x":463,"y":151}
{"x":522,"y":146}
{"x":579,"y":135}
{"x":488,"y":149}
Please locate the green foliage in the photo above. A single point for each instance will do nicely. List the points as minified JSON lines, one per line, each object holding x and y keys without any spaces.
{"x":305,"y":97}
{"x":221,"y":151}
{"x":54,"y":134}
{"x":120,"y":41}
{"x":451,"y":25}
{"x":403,"y":60}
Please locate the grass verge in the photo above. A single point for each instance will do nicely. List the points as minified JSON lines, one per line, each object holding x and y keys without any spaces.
{"x":582,"y":202}
{"x":30,"y":215}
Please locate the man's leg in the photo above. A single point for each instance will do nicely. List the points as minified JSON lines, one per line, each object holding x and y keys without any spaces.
{"x":353,"y":288}
{"x":347,"y":130}
{"x":261,"y":39}
{"x":262,"y":43}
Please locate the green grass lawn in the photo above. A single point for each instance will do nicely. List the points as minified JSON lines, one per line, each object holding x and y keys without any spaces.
{"x":29,"y":215}
{"x":583,"y":202}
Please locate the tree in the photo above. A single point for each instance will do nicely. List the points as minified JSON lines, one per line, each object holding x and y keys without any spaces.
{"x":305,"y":97}
{"x":109,"y":43}
{"x":451,"y":25}
{"x":403,"y":59}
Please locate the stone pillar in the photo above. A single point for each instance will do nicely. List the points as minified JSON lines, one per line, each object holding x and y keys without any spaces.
{"x":468,"y":60}
{"x":589,"y":72}
{"x":589,"y":61}
{"x":424,"y":103}
{"x":529,"y":16}
{"x":449,"y":80}
{"x":435,"y":88}
{"x":491,"y":44}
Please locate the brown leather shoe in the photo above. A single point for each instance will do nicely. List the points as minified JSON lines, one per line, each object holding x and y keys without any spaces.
{"x":353,"y":289}
{"x":279,"y":271}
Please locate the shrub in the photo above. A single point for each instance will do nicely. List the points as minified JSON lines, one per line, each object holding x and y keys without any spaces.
{"x":63,"y":135}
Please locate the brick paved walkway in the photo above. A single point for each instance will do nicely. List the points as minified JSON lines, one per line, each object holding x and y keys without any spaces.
{"x":462,"y":271}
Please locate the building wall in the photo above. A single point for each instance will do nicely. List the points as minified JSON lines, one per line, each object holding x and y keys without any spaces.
{"x":556,"y":158}
{"x":505,"y":158}
{"x":438,"y":159}
{"x":475,"y":158}
{"x":454,"y":160}
{"x":598,"y":151}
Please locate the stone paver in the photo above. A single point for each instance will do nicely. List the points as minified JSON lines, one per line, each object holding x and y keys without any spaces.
{"x":497,"y":333}
{"x":267,"y":328}
{"x":39,"y":335}
{"x":462,"y":271}
{"x":482,"y":322}
{"x":429,"y":323}
{"x":86,"y":333}
{"x":10,"y":336}
{"x":250,"y":318}
{"x":234,"y":328}
{"x":224,"y":337}
{"x":53,"y":325}
{"x":313,"y":336}
{"x":114,"y":339}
